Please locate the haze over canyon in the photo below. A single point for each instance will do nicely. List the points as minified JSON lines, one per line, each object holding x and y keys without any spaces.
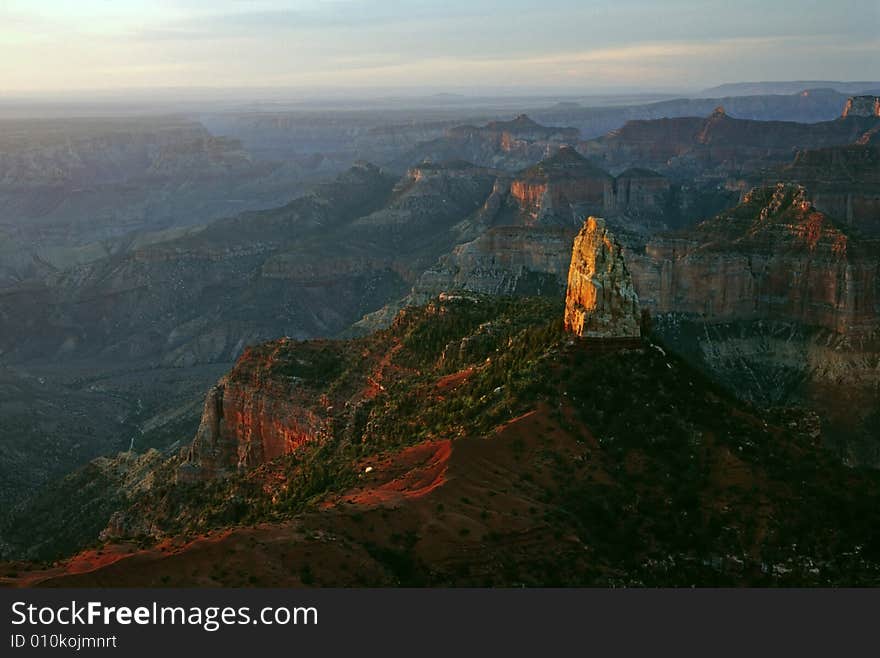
{"x":508,"y":330}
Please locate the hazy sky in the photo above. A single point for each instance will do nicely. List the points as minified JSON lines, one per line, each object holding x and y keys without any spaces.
{"x":95,"y":44}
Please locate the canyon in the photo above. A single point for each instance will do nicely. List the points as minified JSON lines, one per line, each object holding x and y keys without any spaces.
{"x":267,"y":405}
{"x":732,"y":254}
{"x":78,"y":190}
{"x":777,"y":297}
{"x":520,"y":240}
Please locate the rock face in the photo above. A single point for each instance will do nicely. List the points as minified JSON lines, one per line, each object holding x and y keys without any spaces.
{"x":637,"y":190}
{"x":265,"y":407}
{"x":862,"y":106}
{"x":774,"y":257}
{"x":566,"y":186}
{"x":244,"y":426}
{"x":600,"y":301}
{"x":505,"y":260}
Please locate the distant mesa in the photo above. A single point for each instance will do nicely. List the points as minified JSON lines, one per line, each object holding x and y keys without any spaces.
{"x":601,"y":301}
{"x":862,"y":106}
{"x":506,"y":145}
{"x":787,"y":87}
{"x":521,"y":127}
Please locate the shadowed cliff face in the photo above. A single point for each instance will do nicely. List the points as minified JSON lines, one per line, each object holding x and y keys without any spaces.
{"x":600,"y":301}
{"x":505,"y":260}
{"x":202,"y":297}
{"x":841,"y":181}
{"x":309,"y":268}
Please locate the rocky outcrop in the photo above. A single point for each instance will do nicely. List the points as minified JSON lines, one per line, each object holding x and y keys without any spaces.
{"x":774,"y":257}
{"x":566,"y":186}
{"x":600,"y":301}
{"x":264,"y":408}
{"x":862,"y":106}
{"x":244,"y":426}
{"x":525,"y":128}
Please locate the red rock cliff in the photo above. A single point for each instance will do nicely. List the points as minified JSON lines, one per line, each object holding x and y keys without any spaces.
{"x":259,"y":411}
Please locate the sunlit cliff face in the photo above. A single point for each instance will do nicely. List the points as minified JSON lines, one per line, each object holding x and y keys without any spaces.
{"x":601,"y":301}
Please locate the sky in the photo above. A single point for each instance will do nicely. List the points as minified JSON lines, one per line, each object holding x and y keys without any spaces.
{"x":64,"y":45}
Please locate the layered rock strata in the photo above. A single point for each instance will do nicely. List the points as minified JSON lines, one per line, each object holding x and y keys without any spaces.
{"x":774,"y":257}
